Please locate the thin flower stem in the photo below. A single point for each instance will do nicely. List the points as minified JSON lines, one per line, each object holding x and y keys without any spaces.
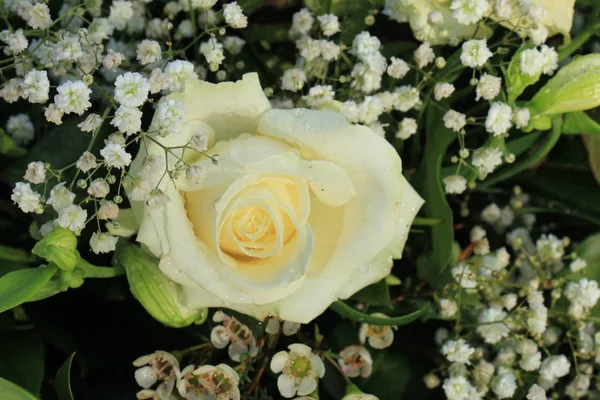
{"x":92,"y":271}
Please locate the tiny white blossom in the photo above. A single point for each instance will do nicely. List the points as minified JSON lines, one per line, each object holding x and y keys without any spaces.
{"x":115,"y":156}
{"x":36,"y":86}
{"x":492,"y":327}
{"x":20,"y":128}
{"x":72,"y":217}
{"x":487,"y":159}
{"x":299,"y":369}
{"x":60,"y":197}
{"x":330,"y":24}
{"x":102,"y":243}
{"x":448,"y":308}
{"x":24,"y":197}
{"x":443,"y":91}
{"x":148,"y":52}
{"x":398,"y":68}
{"x":234,"y":16}
{"x":107,"y":210}
{"x":550,"y":59}
{"x":98,"y":188}
{"x":302,"y":22}
{"x":536,"y":392}
{"x":499,"y":119}
{"x":16,"y":41}
{"x":464,"y":275}
{"x":131,"y":89}
{"x":577,"y":265}
{"x":86,"y":162}
{"x":468,"y":12}
{"x":475,"y":53}
{"x":364,"y":44}
{"x":157,"y":200}
{"x":293,"y":79}
{"x":234,"y":44}
{"x":455,"y":184}
{"x":178,"y":72}
{"x":378,"y":337}
{"x":91,"y":122}
{"x":12,"y":90}
{"x":554,"y":367}
{"x":455,"y":120}
{"x":521,"y":117}
{"x":127,"y":120}
{"x":406,"y":128}
{"x":424,"y":55}
{"x":121,"y":11}
{"x":38,"y":16}
{"x":459,"y":388}
{"x":488,"y":87}
{"x":407,"y":97}
{"x":458,"y":351}
{"x":36,"y":172}
{"x":356,"y":361}
{"x":319,"y":95}
{"x":531,"y":62}
{"x":73,"y":97}
{"x":504,"y":385}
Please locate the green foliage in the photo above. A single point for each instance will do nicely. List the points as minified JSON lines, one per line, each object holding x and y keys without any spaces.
{"x":155,"y":292}
{"x":377,"y":294}
{"x":580,"y":123}
{"x":20,"y":286}
{"x":13,"y":254}
{"x":391,"y":374}
{"x":63,"y":380}
{"x":592,"y":143}
{"x":10,"y":391}
{"x":22,"y":360}
{"x":8,"y":147}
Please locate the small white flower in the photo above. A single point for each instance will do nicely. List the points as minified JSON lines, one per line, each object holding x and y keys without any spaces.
{"x":356,"y":361}
{"x":492,"y":328}
{"x":12,"y":90}
{"x":127,"y":120}
{"x":407,"y":97}
{"x":578,"y":387}
{"x":299,"y":369}
{"x":20,"y":128}
{"x":370,"y":109}
{"x":73,"y":97}
{"x":378,"y":336}
{"x":424,"y":55}
{"x":509,"y":301}
{"x":364,"y":44}
{"x":532,"y":62}
{"x":398,"y":68}
{"x":455,"y":120}
{"x":538,"y":34}
{"x":16,"y":41}
{"x":468,"y":12}
{"x":521,"y":117}
{"x":319,"y":95}
{"x":103,"y":243}
{"x":115,"y":156}
{"x":24,"y":197}
{"x":406,"y":128}
{"x":293,"y":79}
{"x":72,"y":217}
{"x":302,"y":22}
{"x":158,"y":81}
{"x":148,"y":52}
{"x":112,"y":59}
{"x":60,"y":197}
{"x":499,"y":119}
{"x":178,"y":72}
{"x":443,"y":91}
{"x":488,"y":87}
{"x":554,"y":367}
{"x":199,"y":141}
{"x":209,"y":382}
{"x":131,"y":89}
{"x":448,"y":308}
{"x":158,"y":366}
{"x":169,"y":116}
{"x":550,"y":59}
{"x":36,"y":172}
{"x":487,"y":159}
{"x":36,"y":86}
{"x":234,"y":16}
{"x":234,"y":334}
{"x":107,"y":210}
{"x":86,"y":162}
{"x":455,"y":184}
{"x":457,"y":351}
{"x":576,"y":265}
{"x":330,"y":24}
{"x":213,"y":52}
{"x":464,"y":275}
{"x":536,"y":392}
{"x":38,"y":16}
{"x":91,"y":122}
{"x":100,"y":30}
{"x":475,"y":53}
{"x":121,"y":11}
{"x":504,"y":385}
{"x":459,"y":388}
{"x":98,"y":188}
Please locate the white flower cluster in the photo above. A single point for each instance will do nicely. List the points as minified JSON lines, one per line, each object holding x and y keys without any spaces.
{"x":515,"y":333}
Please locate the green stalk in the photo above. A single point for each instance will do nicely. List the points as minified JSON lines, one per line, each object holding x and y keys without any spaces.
{"x":346,"y":311}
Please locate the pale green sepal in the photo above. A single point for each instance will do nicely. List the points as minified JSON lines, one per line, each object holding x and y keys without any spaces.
{"x":59,"y":247}
{"x":157,"y":293}
{"x":576,"y":87}
{"x":125,"y":225}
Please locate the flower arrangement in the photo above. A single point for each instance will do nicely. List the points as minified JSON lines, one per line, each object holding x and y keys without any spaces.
{"x":318,"y":199}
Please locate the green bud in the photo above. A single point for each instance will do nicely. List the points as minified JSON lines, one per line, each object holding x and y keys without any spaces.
{"x":157,"y":293}
{"x":576,"y":87}
{"x":59,"y":247}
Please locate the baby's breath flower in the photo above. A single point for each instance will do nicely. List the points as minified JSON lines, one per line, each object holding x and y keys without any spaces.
{"x":24,"y":197}
{"x":127,"y":120}
{"x":488,"y":87}
{"x":157,"y":200}
{"x":36,"y":86}
{"x":131,"y":89}
{"x":475,"y":53}
{"x":36,"y":172}
{"x":406,"y":128}
{"x":455,"y":184}
{"x":499,"y":119}
{"x":468,"y":12}
{"x":330,"y":24}
{"x":504,"y":385}
{"x":16,"y":41}
{"x":443,"y":91}
{"x":178,"y":72}
{"x":121,"y":11}
{"x":536,"y":392}
{"x":487,"y":159}
{"x":234,"y":16}
{"x":148,"y":52}
{"x":73,"y":97}
{"x":115,"y":156}
{"x":20,"y":128}
{"x":293,"y":79}
{"x":531,"y":62}
{"x":91,"y":122}
{"x":72,"y":217}
{"x":38,"y":16}
{"x":407,"y":97}
{"x":398,"y":68}
{"x":492,"y":327}
{"x":12,"y":91}
{"x":102,"y":243}
{"x":455,"y":120}
{"x":457,"y":351}
{"x":521,"y":117}
{"x":319,"y":95}
{"x":107,"y":210}
{"x":424,"y":55}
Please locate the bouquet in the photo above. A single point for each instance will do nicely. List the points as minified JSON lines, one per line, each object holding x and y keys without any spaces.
{"x":318,"y":199}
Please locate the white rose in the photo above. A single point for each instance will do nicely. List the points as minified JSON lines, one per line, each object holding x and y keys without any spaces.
{"x":302,"y":209}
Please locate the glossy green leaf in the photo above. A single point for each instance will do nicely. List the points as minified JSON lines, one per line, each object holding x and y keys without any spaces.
{"x":580,"y":123}
{"x":20,"y":286}
{"x":390,"y":376}
{"x":438,"y":138}
{"x":376,"y":294}
{"x":10,"y":391}
{"x":22,"y":359}
{"x":346,"y":311}
{"x":155,"y":292}
{"x":63,"y":380}
{"x":8,"y":147}
{"x":524,"y":143}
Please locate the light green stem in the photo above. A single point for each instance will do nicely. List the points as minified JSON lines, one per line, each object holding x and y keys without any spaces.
{"x":346,"y":311}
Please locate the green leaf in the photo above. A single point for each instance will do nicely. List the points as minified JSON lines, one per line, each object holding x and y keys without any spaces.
{"x":429,"y":270}
{"x":22,"y":360}
{"x":580,"y":123}
{"x":13,"y":254}
{"x":20,"y":286}
{"x":155,"y":292}
{"x":346,"y":311}
{"x":521,"y":145}
{"x":9,"y":147}
{"x":376,"y":294}
{"x":250,"y":6}
{"x":63,"y":380}
{"x":592,"y":144}
{"x":438,"y":138}
{"x":390,"y":376}
{"x":10,"y":391}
